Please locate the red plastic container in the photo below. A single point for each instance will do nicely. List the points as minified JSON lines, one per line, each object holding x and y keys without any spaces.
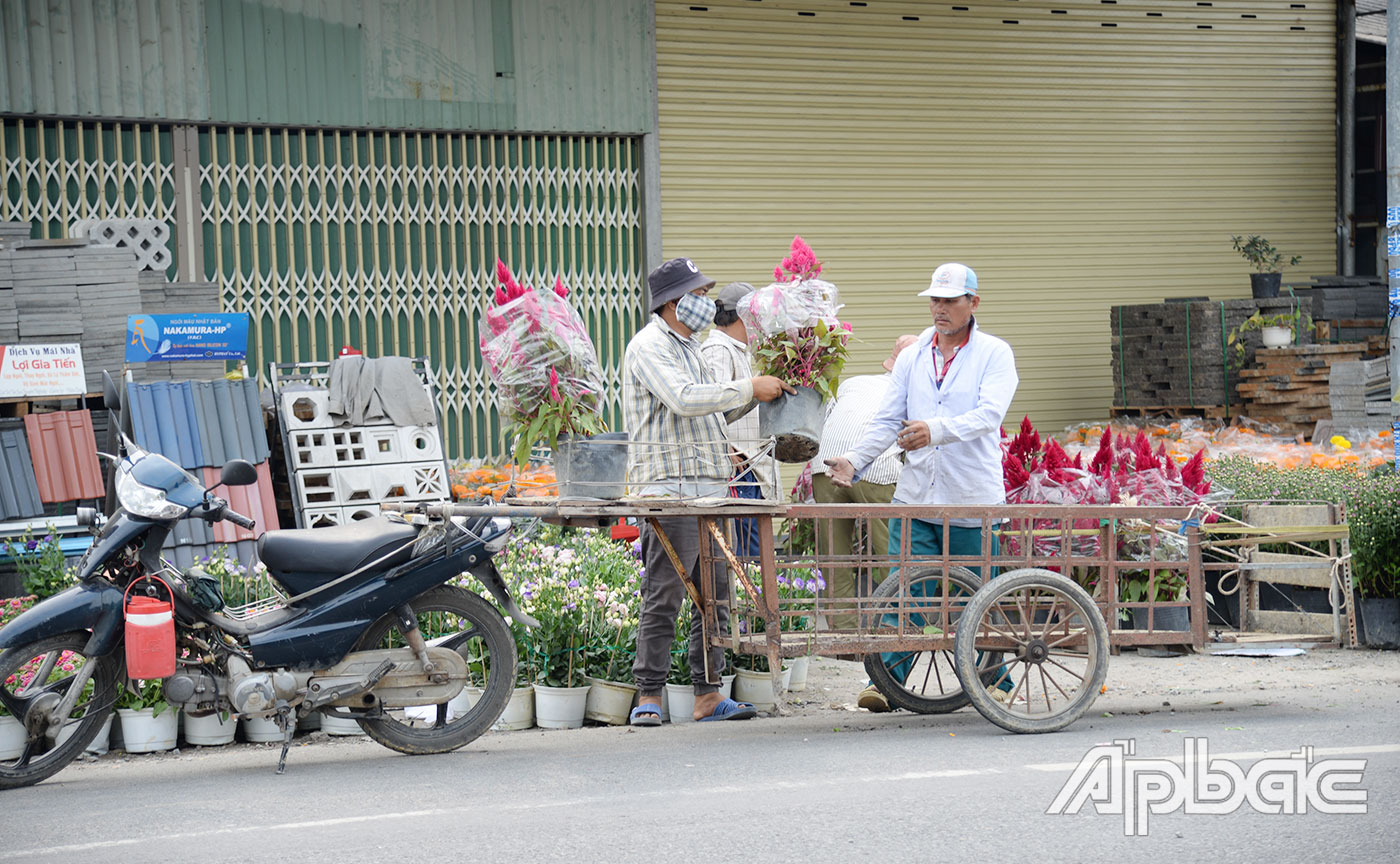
{"x":150,"y":637}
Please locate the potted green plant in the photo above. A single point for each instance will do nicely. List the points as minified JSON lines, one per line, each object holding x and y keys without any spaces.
{"x":1265,"y":259}
{"x":1275,"y":330}
{"x":40,"y":563}
{"x":148,"y":722}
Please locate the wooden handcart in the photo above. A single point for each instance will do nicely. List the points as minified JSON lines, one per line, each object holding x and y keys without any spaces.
{"x":1036,"y":639}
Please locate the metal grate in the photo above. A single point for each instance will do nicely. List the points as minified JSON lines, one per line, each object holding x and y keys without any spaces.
{"x":384,"y":240}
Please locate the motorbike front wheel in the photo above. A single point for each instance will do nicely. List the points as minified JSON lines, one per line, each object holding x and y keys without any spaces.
{"x":453,"y":618}
{"x":34,"y":678}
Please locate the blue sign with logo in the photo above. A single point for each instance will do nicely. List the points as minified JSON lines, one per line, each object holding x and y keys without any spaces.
{"x":195,"y":336}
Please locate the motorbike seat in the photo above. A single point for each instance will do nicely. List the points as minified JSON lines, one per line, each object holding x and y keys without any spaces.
{"x":336,"y":549}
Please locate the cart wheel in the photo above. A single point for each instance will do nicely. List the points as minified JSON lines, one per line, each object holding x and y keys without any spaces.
{"x":926,"y":682}
{"x":1056,"y":646}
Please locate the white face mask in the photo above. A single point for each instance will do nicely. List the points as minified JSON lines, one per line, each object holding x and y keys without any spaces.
{"x":695,"y":312}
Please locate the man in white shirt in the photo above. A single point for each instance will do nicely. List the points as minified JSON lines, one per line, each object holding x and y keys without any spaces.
{"x":726,"y":355}
{"x":948,"y":397}
{"x":847,"y":418}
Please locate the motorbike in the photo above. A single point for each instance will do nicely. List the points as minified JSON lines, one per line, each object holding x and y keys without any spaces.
{"x":365,"y":625}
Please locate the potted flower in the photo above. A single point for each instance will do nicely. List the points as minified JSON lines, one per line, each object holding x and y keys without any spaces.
{"x":148,"y":722}
{"x":549,"y":384}
{"x":794,"y":334}
{"x":1265,"y":259}
{"x":12,"y":734}
{"x":680,"y":689}
{"x":40,"y":563}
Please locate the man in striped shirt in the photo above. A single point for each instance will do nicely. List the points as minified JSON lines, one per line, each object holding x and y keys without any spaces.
{"x":676,"y":417}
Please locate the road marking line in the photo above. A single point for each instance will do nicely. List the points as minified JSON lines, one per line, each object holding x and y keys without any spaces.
{"x":1246,"y":755}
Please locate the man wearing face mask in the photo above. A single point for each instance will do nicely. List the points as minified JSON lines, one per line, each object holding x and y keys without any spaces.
{"x":676,"y":416}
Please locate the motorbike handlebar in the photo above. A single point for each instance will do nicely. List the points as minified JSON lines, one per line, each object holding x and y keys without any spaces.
{"x":216,"y":508}
{"x":239,"y":519}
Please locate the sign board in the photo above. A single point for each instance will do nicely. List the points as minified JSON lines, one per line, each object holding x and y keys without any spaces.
{"x":195,"y":336}
{"x":41,"y":370}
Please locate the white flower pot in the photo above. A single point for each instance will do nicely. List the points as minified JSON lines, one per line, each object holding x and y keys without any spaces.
{"x":332,"y":725}
{"x":211,"y":730}
{"x":757,"y":688}
{"x":609,"y":702}
{"x":797,"y":672}
{"x":520,"y":711}
{"x":1276,"y":337}
{"x":99,"y":744}
{"x":560,"y":707}
{"x":11,"y":738}
{"x":682,"y":702}
{"x":261,"y":730}
{"x":726,"y":690}
{"x":144,"y":733}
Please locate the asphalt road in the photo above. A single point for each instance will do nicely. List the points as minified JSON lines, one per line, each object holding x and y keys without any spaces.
{"x":825,"y":783}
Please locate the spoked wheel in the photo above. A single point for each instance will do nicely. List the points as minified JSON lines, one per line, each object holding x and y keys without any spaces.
{"x":926,"y":682}
{"x":474,"y":629}
{"x":34,"y":679}
{"x":1056,"y":646}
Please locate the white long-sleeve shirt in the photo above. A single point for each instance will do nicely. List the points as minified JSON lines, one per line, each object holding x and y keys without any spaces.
{"x":962,"y":462}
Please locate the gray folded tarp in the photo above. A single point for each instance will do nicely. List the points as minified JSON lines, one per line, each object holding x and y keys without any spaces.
{"x":366,"y":391}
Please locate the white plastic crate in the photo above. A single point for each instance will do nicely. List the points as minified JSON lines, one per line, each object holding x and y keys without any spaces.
{"x":306,"y":409}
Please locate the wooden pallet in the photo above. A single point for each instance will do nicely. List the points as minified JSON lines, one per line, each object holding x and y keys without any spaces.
{"x":1175,"y":412}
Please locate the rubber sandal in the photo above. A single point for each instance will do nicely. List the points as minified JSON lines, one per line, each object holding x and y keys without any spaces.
{"x":728,"y":709}
{"x":646,"y":714}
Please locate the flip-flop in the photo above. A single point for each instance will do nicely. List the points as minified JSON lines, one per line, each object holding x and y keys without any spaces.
{"x":728,"y":709}
{"x":646,"y":714}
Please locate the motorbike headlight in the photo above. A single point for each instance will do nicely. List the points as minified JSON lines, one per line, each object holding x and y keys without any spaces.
{"x":145,"y":501}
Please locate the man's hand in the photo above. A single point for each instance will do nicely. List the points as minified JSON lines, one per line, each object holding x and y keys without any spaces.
{"x":840,"y":471}
{"x":914,"y":435}
{"x":766,"y":388}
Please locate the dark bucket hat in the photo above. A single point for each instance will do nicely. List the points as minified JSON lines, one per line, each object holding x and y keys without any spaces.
{"x":675,"y":278}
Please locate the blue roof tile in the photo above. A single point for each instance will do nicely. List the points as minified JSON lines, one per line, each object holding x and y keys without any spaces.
{"x":19,"y":490}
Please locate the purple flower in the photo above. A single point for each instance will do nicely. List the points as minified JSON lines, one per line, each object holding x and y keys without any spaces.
{"x":48,"y":538}
{"x":641,"y":571}
{"x":30,"y":544}
{"x":637,"y":548}
{"x":743,"y":626}
{"x":573,"y":583}
{"x":812,"y":585}
{"x":821,"y":583}
{"x":782,"y":579}
{"x":572,"y":606}
{"x":819,"y":574}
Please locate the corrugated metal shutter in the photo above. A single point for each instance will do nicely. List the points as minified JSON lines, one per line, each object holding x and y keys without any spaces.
{"x":1076,"y":154}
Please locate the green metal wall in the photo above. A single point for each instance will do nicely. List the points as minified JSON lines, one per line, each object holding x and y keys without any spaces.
{"x":581,"y":66}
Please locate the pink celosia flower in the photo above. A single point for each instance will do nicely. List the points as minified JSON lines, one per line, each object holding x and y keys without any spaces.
{"x":559,"y":287}
{"x":554,"y":385}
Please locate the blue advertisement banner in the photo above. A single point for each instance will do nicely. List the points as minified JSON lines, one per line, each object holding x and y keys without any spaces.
{"x":194,"y":336}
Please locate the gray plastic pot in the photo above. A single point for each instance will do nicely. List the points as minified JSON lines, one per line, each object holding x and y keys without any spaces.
{"x":795,"y":421}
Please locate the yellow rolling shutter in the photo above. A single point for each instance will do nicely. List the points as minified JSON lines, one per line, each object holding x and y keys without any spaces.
{"x":1076,"y":154}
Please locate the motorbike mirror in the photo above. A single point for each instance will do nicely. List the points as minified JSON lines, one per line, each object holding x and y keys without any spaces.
{"x":238,"y":472}
{"x":110,"y":394}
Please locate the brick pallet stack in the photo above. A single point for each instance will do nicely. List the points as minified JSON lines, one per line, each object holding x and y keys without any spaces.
{"x":1351,"y":308}
{"x":1172,"y":355}
{"x":1289,"y":387}
{"x":1359,"y":395}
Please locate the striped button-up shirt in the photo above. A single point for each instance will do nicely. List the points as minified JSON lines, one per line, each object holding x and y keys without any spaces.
{"x":728,"y":360}
{"x":676,"y":413}
{"x":847,"y":417}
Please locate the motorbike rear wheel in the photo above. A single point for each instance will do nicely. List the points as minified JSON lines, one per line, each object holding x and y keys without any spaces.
{"x":455,"y":618}
{"x":56,"y":660}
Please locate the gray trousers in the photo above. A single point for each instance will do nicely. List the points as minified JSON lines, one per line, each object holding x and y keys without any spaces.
{"x":662,"y":596}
